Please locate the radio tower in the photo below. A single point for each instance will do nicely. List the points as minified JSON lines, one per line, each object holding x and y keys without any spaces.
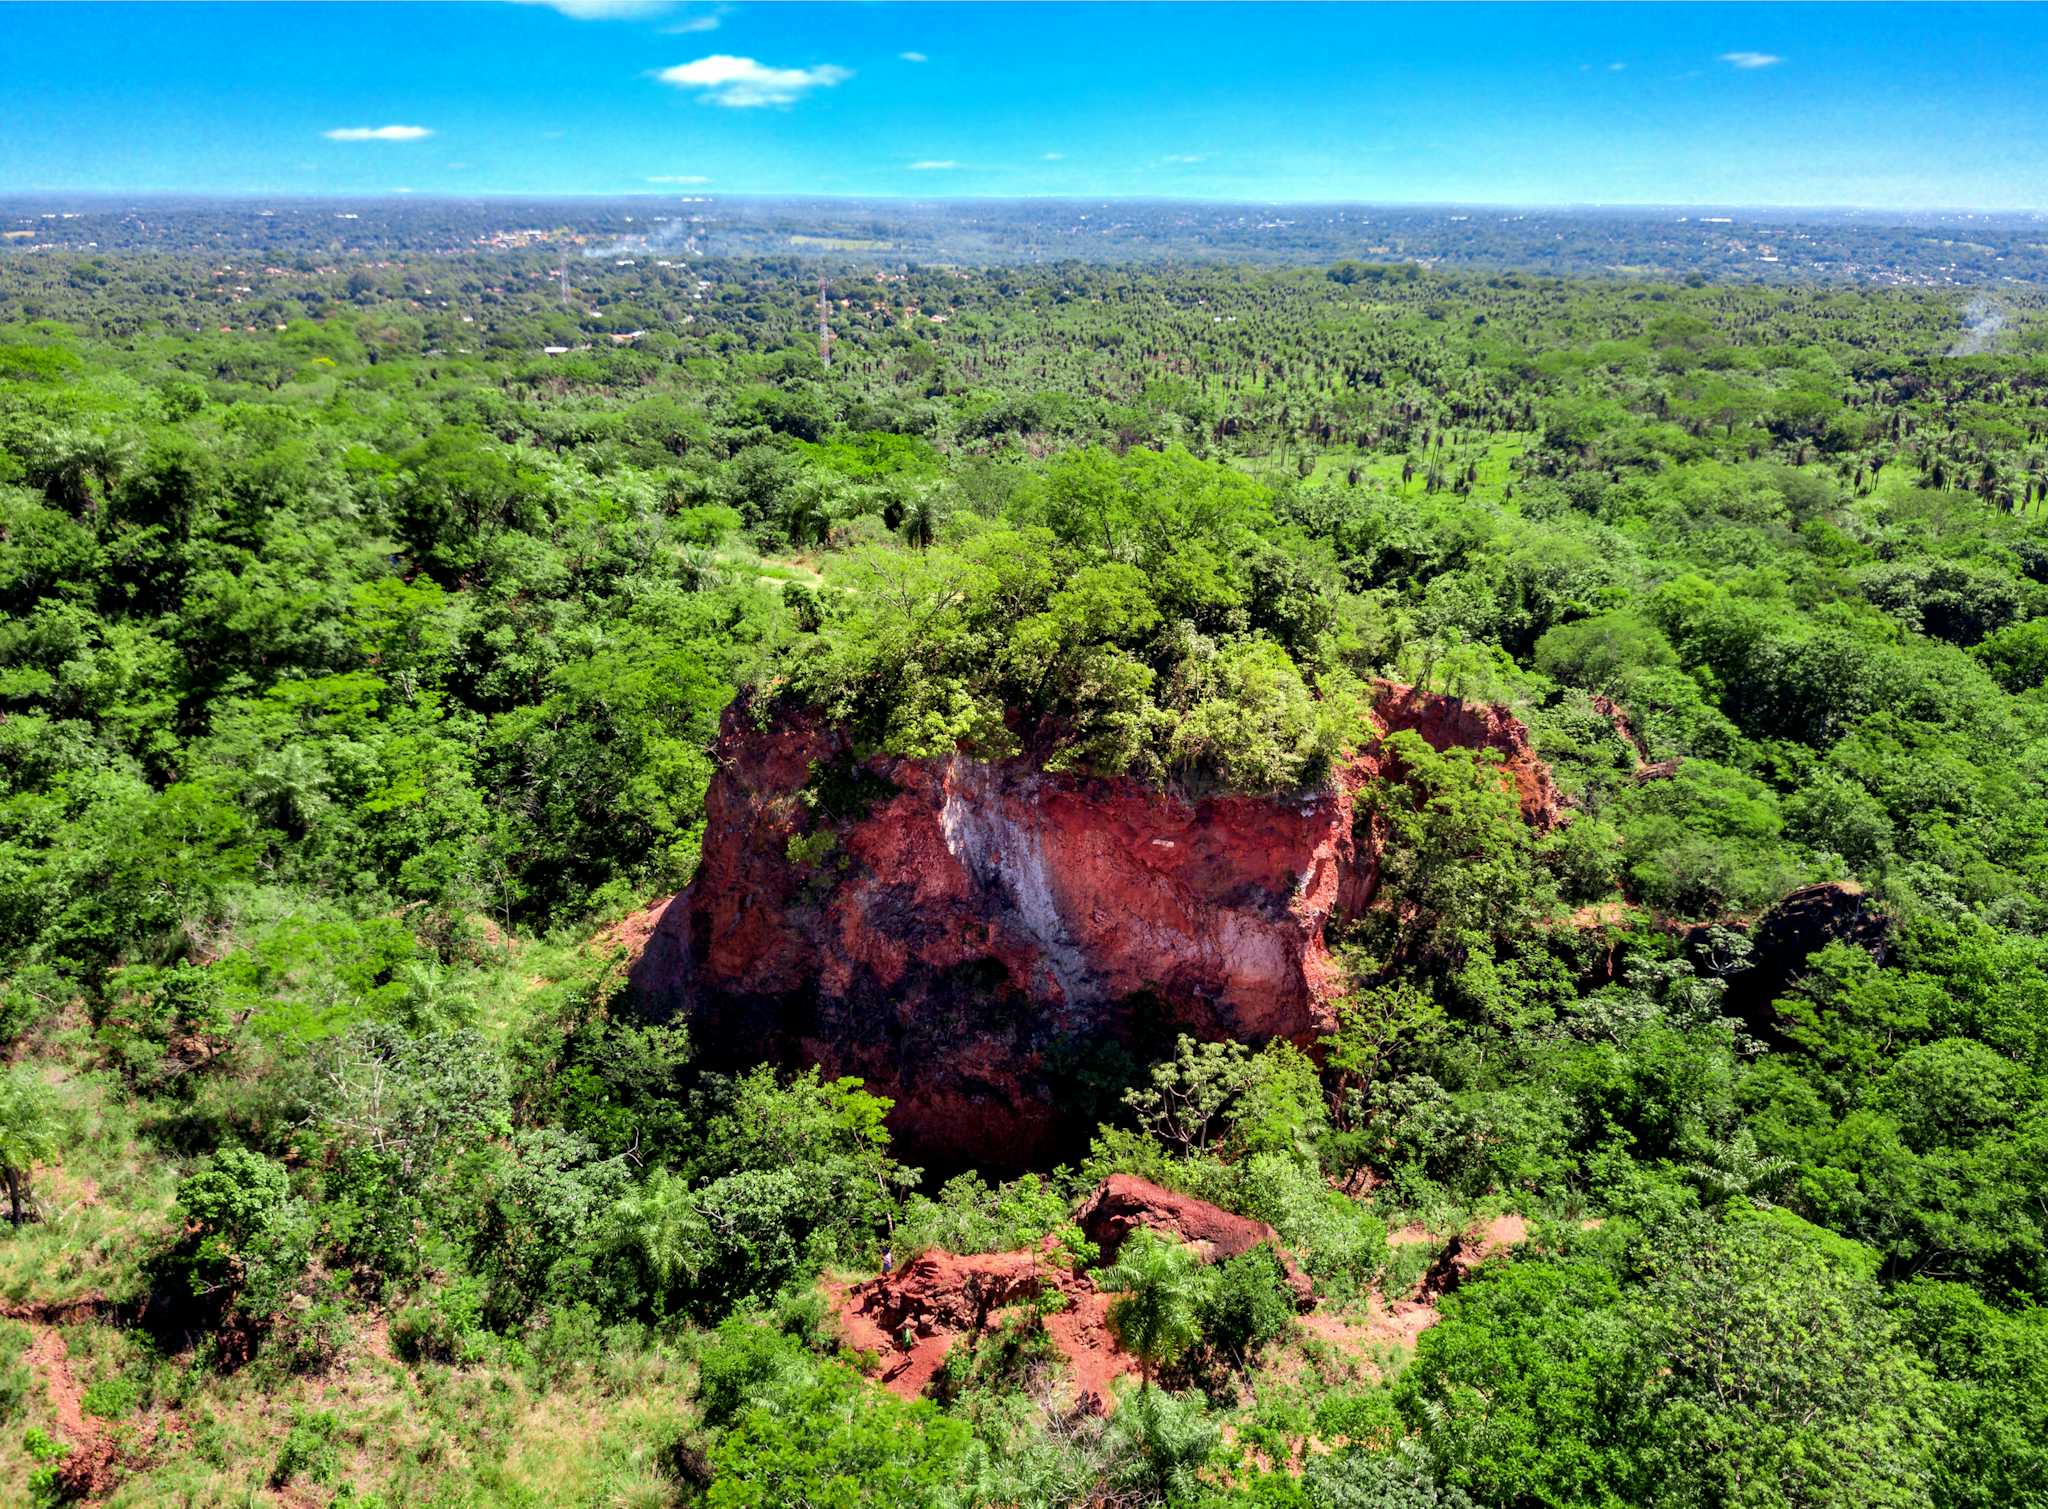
{"x":824,"y":328}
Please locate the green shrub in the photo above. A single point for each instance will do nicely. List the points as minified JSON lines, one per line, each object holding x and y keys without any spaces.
{"x":309,"y":1449}
{"x":445,"y":1325}
{"x":47,"y":1453}
{"x":1246,"y":1304}
{"x":570,"y":1341}
{"x":17,"y":1380}
{"x":1404,"y":1478}
{"x":746,"y":1364}
{"x":110,"y":1398}
{"x":313,"y":1339}
{"x":1340,"y":1243}
{"x":246,"y":1238}
{"x":836,"y":1440}
{"x":969,"y":1215}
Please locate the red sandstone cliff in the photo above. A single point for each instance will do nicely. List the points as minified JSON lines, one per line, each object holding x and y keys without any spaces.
{"x":965,"y":932}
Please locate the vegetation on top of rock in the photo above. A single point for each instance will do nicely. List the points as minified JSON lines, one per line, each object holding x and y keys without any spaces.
{"x":1147,"y":614}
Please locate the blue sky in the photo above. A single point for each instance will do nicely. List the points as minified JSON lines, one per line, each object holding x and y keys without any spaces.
{"x":1891,"y":106}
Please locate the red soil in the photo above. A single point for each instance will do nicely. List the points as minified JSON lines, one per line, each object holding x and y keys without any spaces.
{"x":941,"y":1298}
{"x":88,"y":1469}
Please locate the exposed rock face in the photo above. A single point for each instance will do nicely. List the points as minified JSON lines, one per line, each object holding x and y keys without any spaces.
{"x":939,"y":1290}
{"x":1801,"y":924}
{"x":910,"y":1320}
{"x":1447,"y":722}
{"x":962,"y":934}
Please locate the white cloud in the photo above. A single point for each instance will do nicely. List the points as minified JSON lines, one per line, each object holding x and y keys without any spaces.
{"x":913,"y":57}
{"x":1616,"y":67}
{"x":377,"y":133}
{"x":1052,"y":157}
{"x":1751,"y":59}
{"x":1185,"y":157}
{"x":933,"y":165}
{"x":602,"y":10}
{"x":679,"y":178}
{"x":742,"y":82}
{"x":703,"y":21}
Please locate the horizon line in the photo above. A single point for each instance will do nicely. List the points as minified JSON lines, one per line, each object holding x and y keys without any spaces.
{"x":396,"y":197}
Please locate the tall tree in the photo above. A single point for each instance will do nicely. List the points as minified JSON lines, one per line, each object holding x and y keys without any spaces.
{"x":28,"y":1132}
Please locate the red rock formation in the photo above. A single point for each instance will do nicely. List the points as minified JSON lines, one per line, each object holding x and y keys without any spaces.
{"x":941,"y":1297}
{"x":1123,"y":1203}
{"x":1445,"y":722}
{"x":960,"y":933}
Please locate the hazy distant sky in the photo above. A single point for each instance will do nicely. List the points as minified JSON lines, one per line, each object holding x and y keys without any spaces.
{"x":1942,"y":105}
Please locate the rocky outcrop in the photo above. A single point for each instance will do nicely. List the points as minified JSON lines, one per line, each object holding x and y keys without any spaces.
{"x":1124,"y":1203}
{"x":1452,"y":722}
{"x":944,"y":1291}
{"x":910,"y":1319}
{"x":1784,"y":938}
{"x":972,"y":937}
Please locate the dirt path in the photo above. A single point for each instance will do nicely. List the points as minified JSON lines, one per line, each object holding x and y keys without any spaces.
{"x":88,"y":1468}
{"x":51,"y":1360}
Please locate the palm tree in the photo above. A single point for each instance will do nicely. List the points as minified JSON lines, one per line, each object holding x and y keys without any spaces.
{"x":1161,"y":1284}
{"x":659,"y":1226}
{"x":28,"y":1131}
{"x":921,"y":518}
{"x":433,"y":999}
{"x":806,"y":519}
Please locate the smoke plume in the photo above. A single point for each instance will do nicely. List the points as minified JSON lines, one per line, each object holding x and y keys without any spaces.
{"x":1982,"y":323}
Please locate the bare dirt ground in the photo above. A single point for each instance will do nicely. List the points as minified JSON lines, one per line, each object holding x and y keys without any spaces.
{"x":935,"y":1300}
{"x":87,"y":1470}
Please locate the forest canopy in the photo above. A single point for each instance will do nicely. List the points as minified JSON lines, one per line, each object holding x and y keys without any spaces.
{"x":365,"y":629}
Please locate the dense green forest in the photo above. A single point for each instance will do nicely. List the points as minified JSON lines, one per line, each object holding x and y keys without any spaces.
{"x":360,"y":657}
